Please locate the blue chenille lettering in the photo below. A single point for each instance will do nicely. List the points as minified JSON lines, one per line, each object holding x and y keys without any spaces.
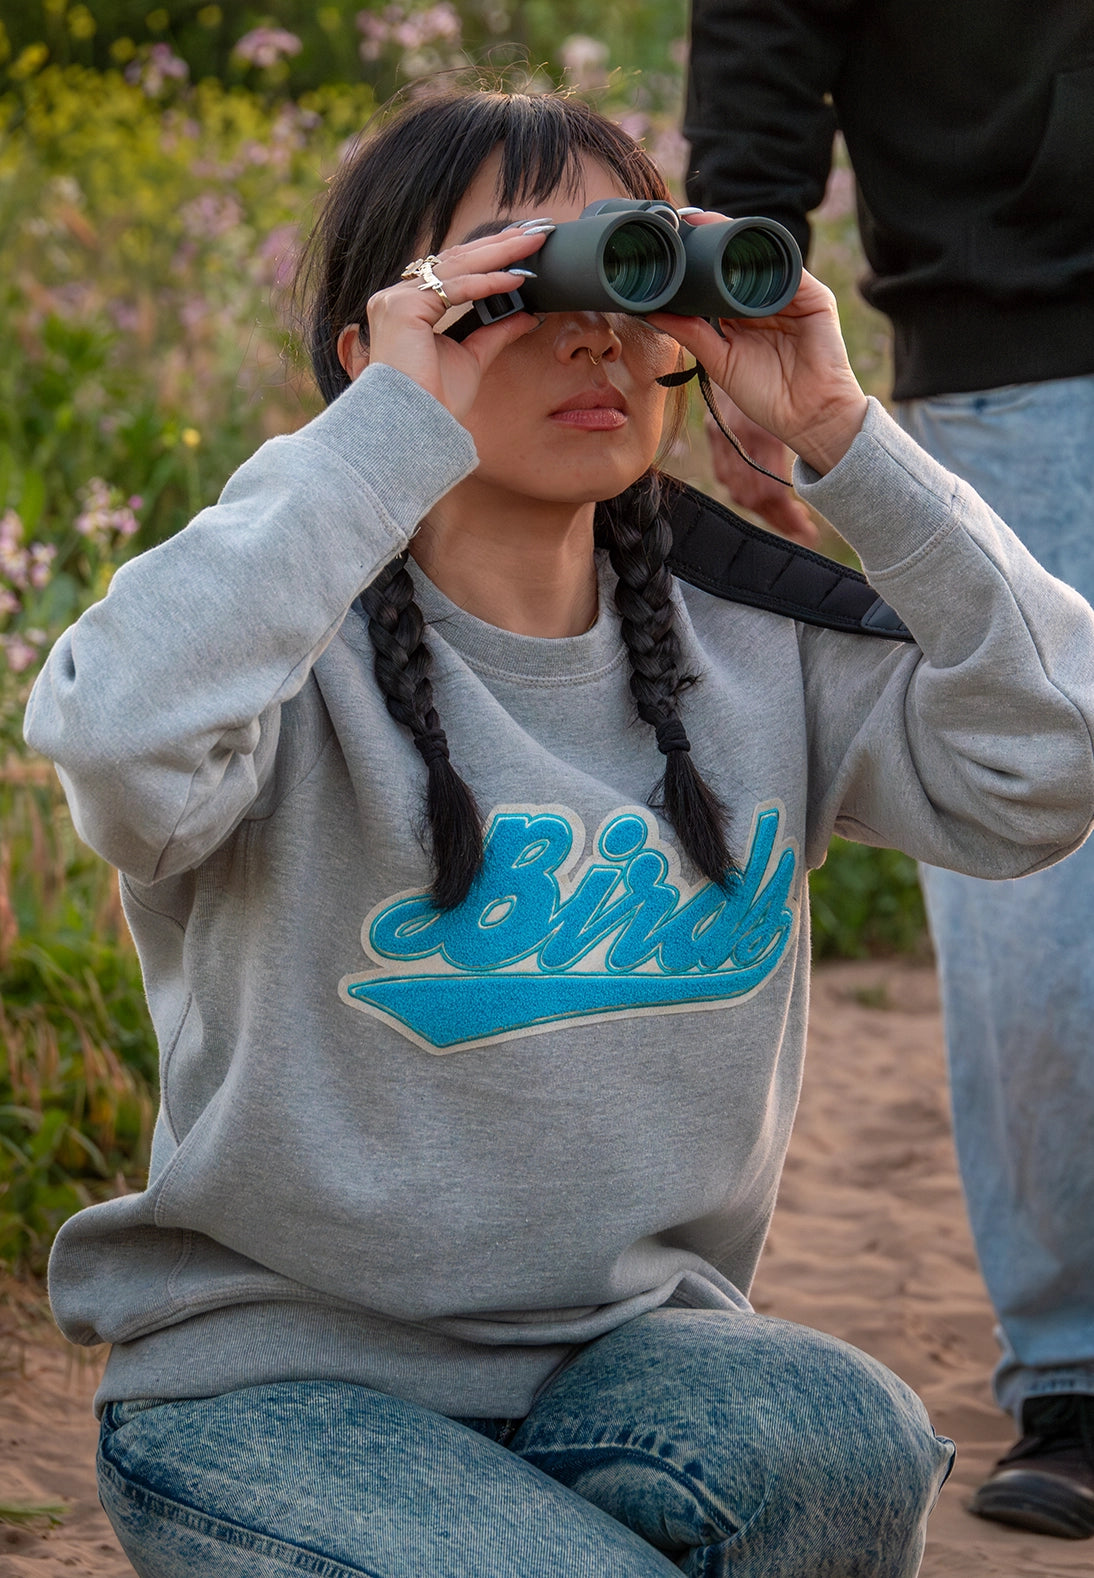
{"x":514,"y":955}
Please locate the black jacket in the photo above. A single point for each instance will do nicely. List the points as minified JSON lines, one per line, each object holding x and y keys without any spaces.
{"x":970,"y":125}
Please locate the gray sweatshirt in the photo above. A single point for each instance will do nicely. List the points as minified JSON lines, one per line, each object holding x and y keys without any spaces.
{"x":431,"y":1153}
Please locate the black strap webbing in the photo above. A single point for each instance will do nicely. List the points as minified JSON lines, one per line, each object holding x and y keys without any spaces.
{"x":726,"y":555}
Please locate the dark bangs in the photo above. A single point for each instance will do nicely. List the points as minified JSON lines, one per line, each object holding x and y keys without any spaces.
{"x":395,"y":196}
{"x":543,"y":139}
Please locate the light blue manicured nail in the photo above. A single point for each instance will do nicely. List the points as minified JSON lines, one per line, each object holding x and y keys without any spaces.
{"x":539,"y":230}
{"x":525,"y":273}
{"x":691,"y":210}
{"x":525,"y":224}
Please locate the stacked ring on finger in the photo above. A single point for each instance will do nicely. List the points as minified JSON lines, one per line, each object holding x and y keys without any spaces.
{"x":422,"y":269}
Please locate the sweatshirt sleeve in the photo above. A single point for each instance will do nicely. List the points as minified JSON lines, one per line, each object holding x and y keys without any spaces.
{"x":758,"y":116}
{"x":161,"y":705}
{"x":972,"y":749}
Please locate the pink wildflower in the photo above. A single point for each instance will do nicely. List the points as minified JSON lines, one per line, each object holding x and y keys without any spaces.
{"x":19,"y":653}
{"x":266,"y":46}
{"x":154,"y":67}
{"x":409,"y":29}
{"x":636,"y":124}
{"x":103,"y":514}
{"x":42,"y":555}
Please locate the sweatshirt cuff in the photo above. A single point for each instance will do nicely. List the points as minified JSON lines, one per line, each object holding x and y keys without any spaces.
{"x":886,"y":497}
{"x":425,"y":450}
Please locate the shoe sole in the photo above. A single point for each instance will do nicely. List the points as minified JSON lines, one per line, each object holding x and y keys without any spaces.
{"x":1039,"y":1502}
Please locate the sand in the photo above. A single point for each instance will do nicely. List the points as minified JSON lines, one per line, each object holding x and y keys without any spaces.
{"x":869,"y":1242}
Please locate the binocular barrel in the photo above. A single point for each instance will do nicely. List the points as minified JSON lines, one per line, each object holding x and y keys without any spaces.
{"x":745,"y":268}
{"x":626,"y":255}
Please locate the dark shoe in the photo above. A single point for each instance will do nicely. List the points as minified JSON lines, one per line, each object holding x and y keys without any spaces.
{"x":1046,"y":1482}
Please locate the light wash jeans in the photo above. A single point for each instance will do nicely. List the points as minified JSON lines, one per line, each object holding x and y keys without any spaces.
{"x":1016,"y":959}
{"x":685,"y":1440}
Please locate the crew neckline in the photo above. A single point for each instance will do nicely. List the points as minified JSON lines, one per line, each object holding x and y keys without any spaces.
{"x":502,"y":652}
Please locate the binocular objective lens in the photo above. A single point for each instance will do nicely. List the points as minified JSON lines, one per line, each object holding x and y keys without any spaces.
{"x":638,"y":262}
{"x":756,"y":268}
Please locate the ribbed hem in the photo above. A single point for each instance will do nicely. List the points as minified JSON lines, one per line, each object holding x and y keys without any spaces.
{"x":266,"y":1343}
{"x":474,"y":1370}
{"x":954,"y":342}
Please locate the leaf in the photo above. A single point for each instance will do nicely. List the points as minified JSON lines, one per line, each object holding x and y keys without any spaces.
{"x":32,"y":500}
{"x":26,"y":1513}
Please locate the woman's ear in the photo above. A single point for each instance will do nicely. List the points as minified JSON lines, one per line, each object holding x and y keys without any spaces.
{"x":352,"y":351}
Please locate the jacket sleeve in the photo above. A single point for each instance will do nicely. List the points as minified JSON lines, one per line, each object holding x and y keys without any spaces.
{"x":972,"y":749}
{"x":758,"y":116}
{"x":161,"y":705}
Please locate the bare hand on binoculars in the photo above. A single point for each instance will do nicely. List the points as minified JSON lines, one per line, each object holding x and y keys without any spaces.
{"x":789,"y":372}
{"x":404,"y":317}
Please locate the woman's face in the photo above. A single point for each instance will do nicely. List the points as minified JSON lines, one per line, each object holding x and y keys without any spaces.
{"x":548,"y":422}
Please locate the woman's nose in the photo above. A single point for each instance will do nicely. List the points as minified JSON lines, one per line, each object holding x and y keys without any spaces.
{"x":581,"y":332}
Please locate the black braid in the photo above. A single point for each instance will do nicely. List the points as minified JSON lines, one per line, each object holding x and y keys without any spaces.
{"x":635,"y":530}
{"x":403,"y":665}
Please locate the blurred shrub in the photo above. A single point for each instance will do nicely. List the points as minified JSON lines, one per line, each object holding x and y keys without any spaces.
{"x":146,"y":254}
{"x":289,"y":47}
{"x":77,"y":1054}
{"x":866,"y":901}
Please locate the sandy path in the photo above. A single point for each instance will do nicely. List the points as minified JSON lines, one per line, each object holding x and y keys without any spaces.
{"x":869,"y":1242}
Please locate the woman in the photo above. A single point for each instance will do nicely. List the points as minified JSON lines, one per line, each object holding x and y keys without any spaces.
{"x":472,"y":1122}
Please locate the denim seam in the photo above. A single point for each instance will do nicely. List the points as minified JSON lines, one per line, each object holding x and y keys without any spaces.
{"x":713,"y":1557}
{"x":227,"y":1532}
{"x":647,"y":1459}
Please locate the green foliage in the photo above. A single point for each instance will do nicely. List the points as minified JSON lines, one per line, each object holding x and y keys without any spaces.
{"x":146,"y":255}
{"x":866,"y":901}
{"x":78,"y":1063}
{"x":384,"y":43}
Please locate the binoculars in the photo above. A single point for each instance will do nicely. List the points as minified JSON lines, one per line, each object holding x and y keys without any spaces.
{"x":626,"y":255}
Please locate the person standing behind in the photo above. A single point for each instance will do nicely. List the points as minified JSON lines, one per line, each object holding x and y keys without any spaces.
{"x":971,"y":134}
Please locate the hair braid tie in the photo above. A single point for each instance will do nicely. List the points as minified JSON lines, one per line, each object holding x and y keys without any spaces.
{"x":672,"y":736}
{"x":431,"y":747}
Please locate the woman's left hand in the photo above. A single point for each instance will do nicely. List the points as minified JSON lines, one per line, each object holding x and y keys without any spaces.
{"x":789,"y":372}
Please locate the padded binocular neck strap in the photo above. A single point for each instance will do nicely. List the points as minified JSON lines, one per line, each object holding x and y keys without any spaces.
{"x":721,"y":553}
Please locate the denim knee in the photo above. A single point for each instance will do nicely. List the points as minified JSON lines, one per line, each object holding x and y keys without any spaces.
{"x":851,"y":1469}
{"x":745,"y":1444}
{"x":848,"y":1420}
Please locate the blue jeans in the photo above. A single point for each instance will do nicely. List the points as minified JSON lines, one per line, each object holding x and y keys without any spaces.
{"x":1016,"y":959}
{"x":685,"y":1440}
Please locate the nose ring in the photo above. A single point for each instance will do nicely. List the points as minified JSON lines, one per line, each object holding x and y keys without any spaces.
{"x":596,"y":360}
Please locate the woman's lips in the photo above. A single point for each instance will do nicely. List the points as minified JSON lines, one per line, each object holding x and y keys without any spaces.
{"x":594,"y":418}
{"x":595,"y":410}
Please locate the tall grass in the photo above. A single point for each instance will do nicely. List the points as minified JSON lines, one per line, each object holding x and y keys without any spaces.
{"x":78,"y":1061}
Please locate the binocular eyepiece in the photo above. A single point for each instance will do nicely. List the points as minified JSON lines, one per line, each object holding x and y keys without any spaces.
{"x":626,"y":255}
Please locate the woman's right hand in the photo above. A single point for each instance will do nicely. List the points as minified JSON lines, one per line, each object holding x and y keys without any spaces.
{"x":789,"y":372}
{"x":402,"y":318}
